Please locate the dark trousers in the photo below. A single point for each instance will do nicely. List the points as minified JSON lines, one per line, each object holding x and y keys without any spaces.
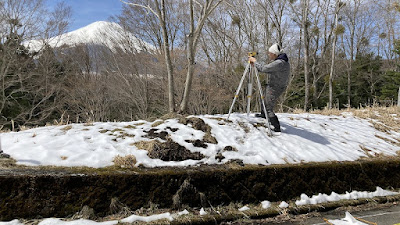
{"x":270,"y":98}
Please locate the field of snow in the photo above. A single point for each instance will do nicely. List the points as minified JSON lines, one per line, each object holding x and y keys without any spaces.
{"x":304,"y":138}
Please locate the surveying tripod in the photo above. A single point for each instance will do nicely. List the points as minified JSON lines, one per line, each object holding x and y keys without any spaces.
{"x":250,"y":72}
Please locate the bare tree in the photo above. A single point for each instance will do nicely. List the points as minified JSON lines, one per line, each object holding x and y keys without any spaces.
{"x":275,"y":11}
{"x":321,"y":37}
{"x":337,"y":32}
{"x":160,"y":11}
{"x":357,"y":25}
{"x":389,"y":20}
{"x":206,"y":8}
{"x":303,"y":20}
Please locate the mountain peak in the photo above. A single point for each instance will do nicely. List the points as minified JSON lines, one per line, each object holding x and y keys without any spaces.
{"x":108,"y":34}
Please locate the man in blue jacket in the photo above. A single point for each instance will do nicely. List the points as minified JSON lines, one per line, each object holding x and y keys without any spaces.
{"x":278,"y":72}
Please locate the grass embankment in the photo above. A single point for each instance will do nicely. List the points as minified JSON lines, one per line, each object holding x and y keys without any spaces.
{"x":28,"y":194}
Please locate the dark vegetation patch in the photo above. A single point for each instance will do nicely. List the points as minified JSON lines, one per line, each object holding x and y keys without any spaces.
{"x":172,"y":129}
{"x":199,"y":124}
{"x":34,"y":193}
{"x":219,"y":156}
{"x":230,"y":149}
{"x":257,"y":125}
{"x":197,"y":143}
{"x":196,"y":123}
{"x":210,"y":139}
{"x":152,"y":133}
{"x":172,"y":151}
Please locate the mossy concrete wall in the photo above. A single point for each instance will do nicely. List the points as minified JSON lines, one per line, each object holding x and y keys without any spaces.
{"x":27,"y":194}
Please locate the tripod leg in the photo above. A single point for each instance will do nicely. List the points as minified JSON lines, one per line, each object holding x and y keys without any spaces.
{"x":249,"y":89}
{"x":263,"y":103}
{"x":238,"y":89}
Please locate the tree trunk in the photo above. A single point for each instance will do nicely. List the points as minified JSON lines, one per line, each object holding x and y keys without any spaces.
{"x":193,"y":39}
{"x":352,"y":34}
{"x":306,"y":53}
{"x":189,"y":75}
{"x":333,"y":59}
{"x":190,"y":59}
{"x":167,"y":55}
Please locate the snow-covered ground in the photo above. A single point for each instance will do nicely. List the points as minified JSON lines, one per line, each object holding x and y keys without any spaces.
{"x":305,"y":138}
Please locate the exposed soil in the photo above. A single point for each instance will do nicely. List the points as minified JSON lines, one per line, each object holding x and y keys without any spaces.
{"x":152,"y":134}
{"x":172,"y":151}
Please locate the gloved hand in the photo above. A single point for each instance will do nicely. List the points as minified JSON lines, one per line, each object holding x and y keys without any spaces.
{"x":252,"y":60}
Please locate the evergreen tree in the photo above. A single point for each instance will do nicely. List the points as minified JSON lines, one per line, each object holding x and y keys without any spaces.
{"x":391,"y":79}
{"x":368,"y":79}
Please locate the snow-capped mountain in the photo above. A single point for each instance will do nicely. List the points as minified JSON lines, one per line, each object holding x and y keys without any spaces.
{"x":101,"y":33}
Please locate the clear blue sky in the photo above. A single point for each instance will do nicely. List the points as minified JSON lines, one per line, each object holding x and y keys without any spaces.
{"x":85,"y":12}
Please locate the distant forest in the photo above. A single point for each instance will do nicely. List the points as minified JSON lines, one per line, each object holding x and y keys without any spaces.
{"x":342,"y":54}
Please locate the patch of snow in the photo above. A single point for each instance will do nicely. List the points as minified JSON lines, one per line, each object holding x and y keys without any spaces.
{"x":348,"y":220}
{"x":283,"y":204}
{"x":134,"y":218}
{"x":322,"y":198}
{"x":244,"y":208}
{"x":202,"y":212}
{"x":56,"y":221}
{"x":184,"y":212}
{"x":265,"y":204}
{"x":13,"y":222}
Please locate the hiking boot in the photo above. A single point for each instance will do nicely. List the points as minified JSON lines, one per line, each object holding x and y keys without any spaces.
{"x":275,"y":122}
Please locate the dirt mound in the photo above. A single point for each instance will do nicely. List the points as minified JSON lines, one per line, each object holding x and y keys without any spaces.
{"x":172,"y":151}
{"x":199,"y":124}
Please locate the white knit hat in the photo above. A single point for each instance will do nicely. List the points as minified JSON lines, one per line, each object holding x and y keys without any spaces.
{"x":275,"y":49}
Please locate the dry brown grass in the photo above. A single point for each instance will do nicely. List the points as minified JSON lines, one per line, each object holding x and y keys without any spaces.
{"x":127,"y":161}
{"x":388,"y":116}
{"x":156,"y":123}
{"x":66,"y":128}
{"x":145,"y":145}
{"x":395,"y":141}
{"x":383,"y":118}
{"x":118,"y":209}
